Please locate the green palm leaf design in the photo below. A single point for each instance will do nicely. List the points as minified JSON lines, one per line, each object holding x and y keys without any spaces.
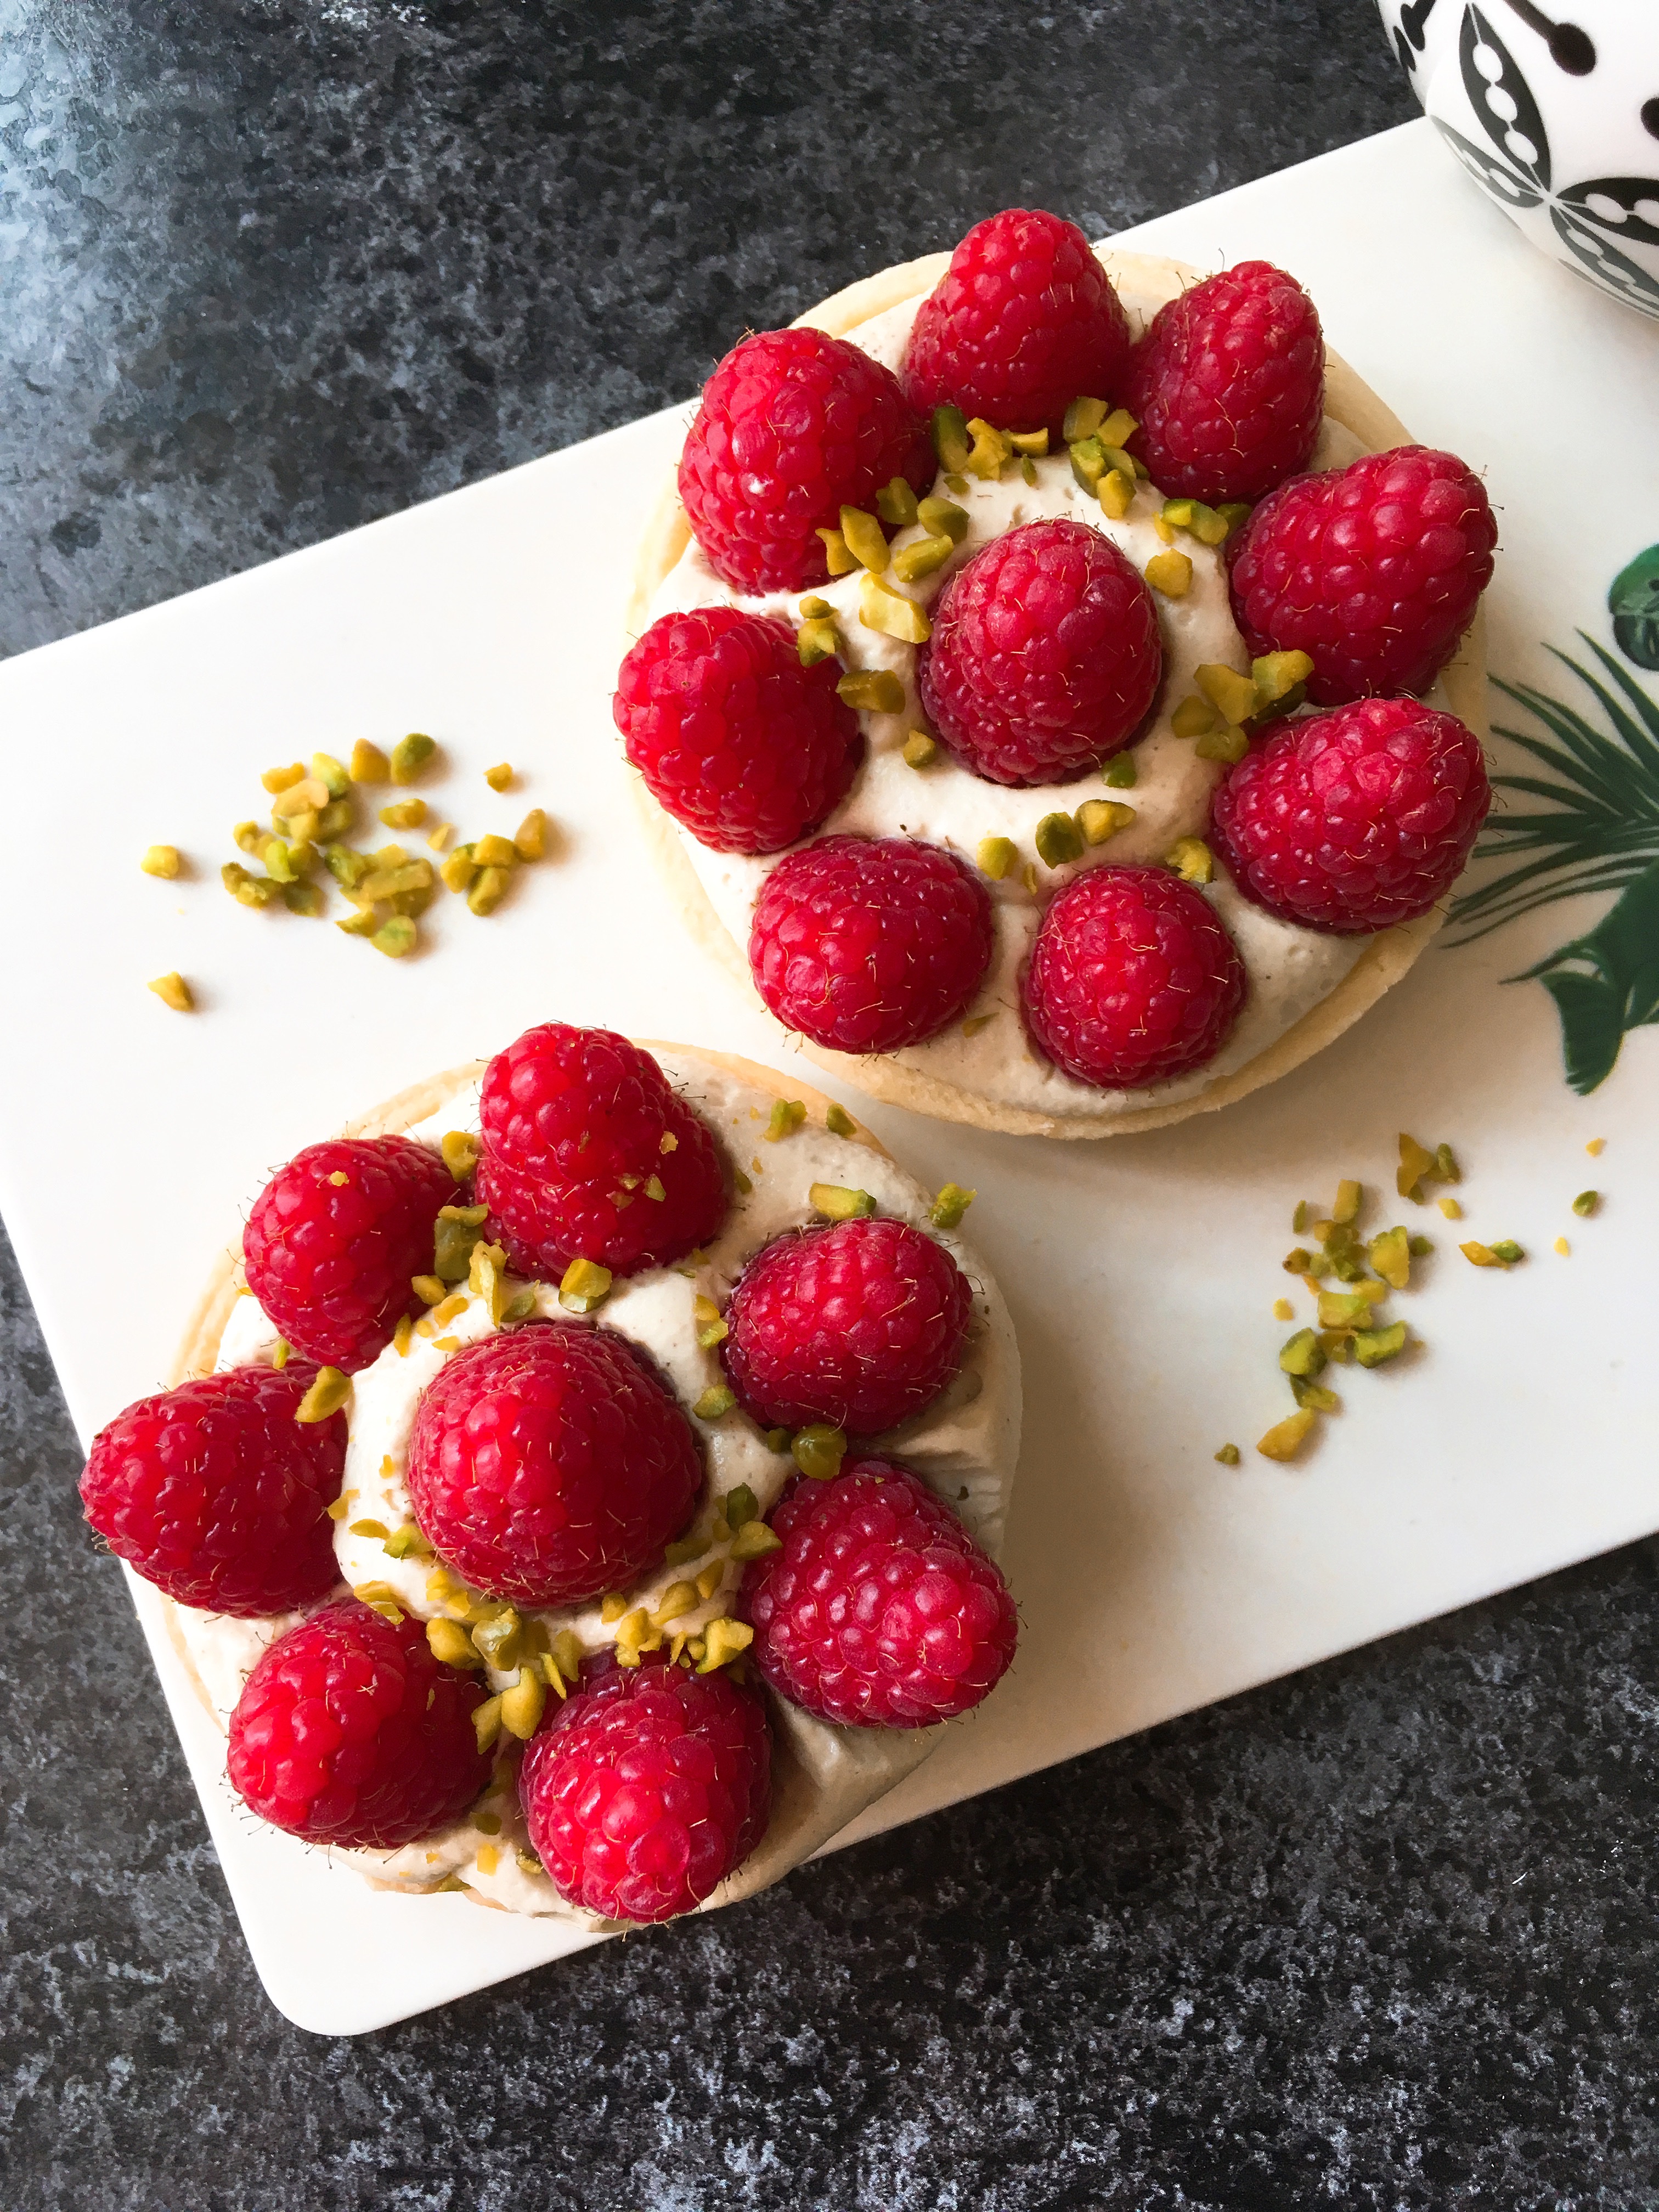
{"x":1597,"y":829}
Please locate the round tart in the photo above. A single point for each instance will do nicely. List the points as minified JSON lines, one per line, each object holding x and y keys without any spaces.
{"x":943,"y":767}
{"x":616,"y":1604}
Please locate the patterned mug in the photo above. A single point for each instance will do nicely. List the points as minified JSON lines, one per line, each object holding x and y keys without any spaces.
{"x":1557,"y":119}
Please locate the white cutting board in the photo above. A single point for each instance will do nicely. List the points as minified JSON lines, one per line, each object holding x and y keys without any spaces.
{"x":1141,"y":1273}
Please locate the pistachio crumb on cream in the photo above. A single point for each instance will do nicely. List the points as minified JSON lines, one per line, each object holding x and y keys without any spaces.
{"x":963,"y":1445}
{"x":1291,"y":969}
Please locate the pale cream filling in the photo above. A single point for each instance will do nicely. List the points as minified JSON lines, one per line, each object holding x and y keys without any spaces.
{"x":964,"y":1446}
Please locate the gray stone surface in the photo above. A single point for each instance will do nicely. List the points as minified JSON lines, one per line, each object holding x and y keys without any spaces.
{"x":1380,"y":1936}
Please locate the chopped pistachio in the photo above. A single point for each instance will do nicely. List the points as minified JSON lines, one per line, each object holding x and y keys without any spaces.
{"x":306,"y":899}
{"x":948,"y":1208}
{"x":429,"y":1289}
{"x":1058,"y":841}
{"x":1083,"y":418}
{"x":1446,"y":1169}
{"x":450,"y":1643}
{"x":283,"y":779}
{"x":584,"y":1286}
{"x":458,"y":871}
{"x":487,"y":892}
{"x":636,"y":1633}
{"x":485,"y":1279}
{"x":816,"y":640}
{"x":715,"y":1403}
{"x":390,"y":881}
{"x":1349,"y":1198}
{"x":1192,"y":860}
{"x":1029,"y":443}
{"x":567,"y":1653}
{"x":161,"y":860}
{"x":246,"y":889}
{"x":1088,"y":463}
{"x":1228,"y":1455}
{"x":1283,"y":1309}
{"x":1232,"y":695}
{"x":326,"y":1395}
{"x":522,"y":1707}
{"x":1585,"y":1203}
{"x":818,"y":1451}
{"x":1338,"y":1345}
{"x":248,"y":837}
{"x":723,"y":1640}
{"x":1194,"y":717}
{"x":921,"y":558}
{"x":1481,"y":1255}
{"x":459,"y":1148}
{"x":788,"y":1114}
{"x":753,"y":1541}
{"x":309,"y":796}
{"x":1508,"y":1252}
{"x":172,"y":991}
{"x":500,"y":776}
{"x":1419,"y":1247}
{"x":1314,"y":1396}
{"x":838,"y":1121}
{"x":1161,"y":525}
{"x":331,"y":774}
{"x":402,"y":1334}
{"x":777,"y":1440}
{"x":612,"y":1606}
{"x":341,"y":1506}
{"x":452,"y":1309}
{"x":1115,"y":491}
{"x":1416,"y":1164}
{"x":1347,"y":1308}
{"x":411,"y":755}
{"x":369,"y":763}
{"x":1299,"y":1218}
{"x":1120,"y":772}
{"x":877,"y":690}
{"x":992,"y":449}
{"x":942,"y":518}
{"x":1285,"y":1439}
{"x":1298,"y":1262}
{"x":711,"y":1328}
{"x":486,"y":1721}
{"x":668,"y":1142}
{"x":895,"y":503}
{"x":1276,"y":675}
{"x":891,"y":614}
{"x":1233,"y":512}
{"x":741,"y":1182}
{"x":1389,"y":1253}
{"x":280,"y":1351}
{"x":404,"y":813}
{"x":1372,"y":1346}
{"x":347,"y":868}
{"x":333,"y":822}
{"x":836,"y":1203}
{"x":976,"y":1023}
{"x":1301,"y":1354}
{"x":1028,"y":876}
{"x":395,"y":938}
{"x":653,"y":1188}
{"x":1563,"y":1247}
{"x":864,"y":538}
{"x":530,"y":838}
{"x":491,"y":852}
{"x":994,"y":856}
{"x":678,"y":1598}
{"x":838,"y":556}
{"x":1170,"y":573}
{"x":1227,"y":743}
{"x":814,"y":609}
{"x":1597,"y":1146}
{"x":1206,"y":525}
{"x":519,"y":1306}
{"x":1100,"y":818}
{"x":407,"y":1542}
{"x":948,"y":427}
{"x":1450,"y":1209}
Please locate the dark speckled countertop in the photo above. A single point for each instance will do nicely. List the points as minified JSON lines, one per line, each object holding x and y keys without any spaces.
{"x":1378,"y":1936}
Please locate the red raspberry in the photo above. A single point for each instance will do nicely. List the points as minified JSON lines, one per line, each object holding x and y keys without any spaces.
{"x":1373,"y":569}
{"x":880,"y":1610}
{"x":743,"y":746}
{"x":1351,"y":821}
{"x":1023,"y":322}
{"x":1045,"y":655}
{"x":1133,"y":979}
{"x":549,"y":1464}
{"x":861,"y":1324}
{"x":793,"y":426}
{"x":334,"y":1238}
{"x":866,"y":944}
{"x":647,"y":1787}
{"x":217,"y":1495}
{"x":349,"y":1731}
{"x":1228,"y":385}
{"x":581,"y":1131}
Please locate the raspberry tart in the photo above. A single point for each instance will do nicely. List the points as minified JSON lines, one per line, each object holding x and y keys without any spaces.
{"x":1057,"y":682}
{"x":642,"y":1529}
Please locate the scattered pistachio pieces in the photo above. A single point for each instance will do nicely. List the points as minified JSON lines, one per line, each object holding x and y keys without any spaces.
{"x":948,"y":1208}
{"x":395,"y":938}
{"x":994,"y":857}
{"x":1116,"y":492}
{"x":404,"y":813}
{"x":920,"y":750}
{"x":450,"y":1643}
{"x":326,"y":1395}
{"x":489,"y":889}
{"x":838,"y":556}
{"x":788,"y":1114}
{"x":1283,"y":1309}
{"x":753,"y":1541}
{"x":522,"y":1707}
{"x":1232,"y":695}
{"x":1227,"y":744}
{"x":1597,"y":1146}
{"x":161,"y":860}
{"x":942,"y":518}
{"x":1228,"y":1455}
{"x":877,"y":690}
{"x":486,"y":1721}
{"x":777,"y":1440}
{"x":1450,"y":1209}
{"x":500,"y":776}
{"x":411,"y":755}
{"x":1192,"y":860}
{"x":369,"y":763}
{"x":1059,"y":840}
{"x":1171,"y":575}
{"x":1120,"y":772}
{"x":1563,"y":1247}
{"x":892,"y":615}
{"x":1194,"y":717}
{"x":922,"y":556}
{"x":723,"y":1640}
{"x":1314,"y":1397}
{"x":895,"y":503}
{"x":584,"y":1286}
{"x":838,"y":1121}
{"x":864,"y":538}
{"x":402,"y":1334}
{"x":976,"y":1023}
{"x":172,"y":991}
{"x":1285,"y":1439}
{"x":460,"y":869}
{"x":836,"y":1203}
{"x":1493,"y":1255}
{"x":1083,"y":418}
{"x":1349,"y":1198}
{"x":818,"y":1451}
{"x":1419,"y":1247}
{"x":1389,"y":1253}
{"x":459,"y":1148}
{"x":530,"y":838}
{"x":1302,"y":1354}
{"x":1372,"y":1346}
{"x":816,"y":640}
{"x":1584,"y":1205}
{"x":715,"y":1402}
{"x":711,"y":1328}
{"x":1419,"y":1165}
